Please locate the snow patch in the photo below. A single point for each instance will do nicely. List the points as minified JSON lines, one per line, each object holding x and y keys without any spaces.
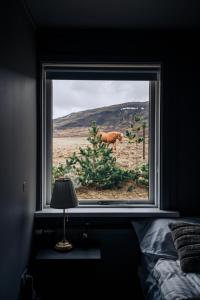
{"x":127,"y":108}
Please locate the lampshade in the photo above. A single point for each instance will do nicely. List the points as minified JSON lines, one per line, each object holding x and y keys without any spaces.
{"x":64,"y":195}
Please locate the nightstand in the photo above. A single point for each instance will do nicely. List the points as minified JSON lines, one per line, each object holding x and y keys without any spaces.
{"x":80,"y":254}
{"x":57,"y":274}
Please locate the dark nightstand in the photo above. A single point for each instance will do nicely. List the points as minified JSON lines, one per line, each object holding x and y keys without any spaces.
{"x":57,"y":274}
{"x":75,"y":254}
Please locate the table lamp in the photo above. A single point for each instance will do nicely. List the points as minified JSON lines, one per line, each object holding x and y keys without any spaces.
{"x":63,"y":197}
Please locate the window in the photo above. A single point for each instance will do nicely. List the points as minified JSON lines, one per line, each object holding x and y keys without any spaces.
{"x":101,"y":127}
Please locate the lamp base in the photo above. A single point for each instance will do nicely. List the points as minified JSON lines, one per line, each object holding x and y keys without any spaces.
{"x":63,"y":246}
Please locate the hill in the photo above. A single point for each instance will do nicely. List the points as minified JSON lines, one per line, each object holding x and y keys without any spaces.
{"x":108,"y":118}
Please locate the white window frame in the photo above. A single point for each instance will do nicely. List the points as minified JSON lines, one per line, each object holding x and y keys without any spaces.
{"x":45,"y":159}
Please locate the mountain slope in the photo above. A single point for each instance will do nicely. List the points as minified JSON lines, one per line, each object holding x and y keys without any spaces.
{"x":108,"y":118}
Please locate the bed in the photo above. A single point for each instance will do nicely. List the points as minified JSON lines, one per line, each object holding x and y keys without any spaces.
{"x":160,"y":272}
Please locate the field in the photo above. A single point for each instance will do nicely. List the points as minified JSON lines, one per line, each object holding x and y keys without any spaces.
{"x":63,"y":148}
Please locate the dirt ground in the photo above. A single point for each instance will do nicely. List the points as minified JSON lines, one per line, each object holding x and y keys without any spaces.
{"x":63,"y":148}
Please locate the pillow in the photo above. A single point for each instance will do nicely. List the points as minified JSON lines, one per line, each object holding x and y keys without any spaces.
{"x":155,"y":237}
{"x":186,"y":237}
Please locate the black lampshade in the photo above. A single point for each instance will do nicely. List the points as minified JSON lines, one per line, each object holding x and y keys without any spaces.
{"x":64,"y":195}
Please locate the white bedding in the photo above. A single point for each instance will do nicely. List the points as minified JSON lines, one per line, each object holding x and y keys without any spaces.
{"x":175,"y":284}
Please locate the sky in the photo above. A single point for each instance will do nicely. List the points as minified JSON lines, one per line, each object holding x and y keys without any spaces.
{"x":78,"y":95}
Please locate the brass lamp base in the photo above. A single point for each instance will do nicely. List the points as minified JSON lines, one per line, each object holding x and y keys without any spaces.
{"x":63,"y":246}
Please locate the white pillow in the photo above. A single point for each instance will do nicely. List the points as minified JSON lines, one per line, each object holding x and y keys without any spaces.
{"x":155,"y":236}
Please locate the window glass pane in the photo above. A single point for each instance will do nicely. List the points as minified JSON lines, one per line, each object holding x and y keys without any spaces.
{"x":101,"y":137}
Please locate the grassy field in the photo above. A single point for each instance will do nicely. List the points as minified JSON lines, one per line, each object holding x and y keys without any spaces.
{"x":63,"y":148}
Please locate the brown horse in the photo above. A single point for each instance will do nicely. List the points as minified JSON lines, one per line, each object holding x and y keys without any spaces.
{"x":111,"y":137}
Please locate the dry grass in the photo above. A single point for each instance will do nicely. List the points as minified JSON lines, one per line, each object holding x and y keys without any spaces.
{"x":63,"y":148}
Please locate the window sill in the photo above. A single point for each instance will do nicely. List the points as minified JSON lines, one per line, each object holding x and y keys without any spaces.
{"x":108,"y":212}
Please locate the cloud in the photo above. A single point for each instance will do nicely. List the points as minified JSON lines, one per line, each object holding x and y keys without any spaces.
{"x":77,"y":95}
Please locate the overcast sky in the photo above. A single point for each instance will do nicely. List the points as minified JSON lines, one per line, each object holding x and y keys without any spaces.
{"x":77,"y":95}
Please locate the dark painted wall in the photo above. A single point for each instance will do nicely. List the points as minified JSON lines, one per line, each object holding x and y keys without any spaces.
{"x":17,"y":145}
{"x":178,"y":51}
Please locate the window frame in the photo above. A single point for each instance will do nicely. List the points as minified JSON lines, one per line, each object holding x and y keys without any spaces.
{"x":45,"y":161}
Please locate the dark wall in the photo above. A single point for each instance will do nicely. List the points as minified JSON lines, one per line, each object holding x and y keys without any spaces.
{"x":178,"y":52}
{"x":17,"y":145}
